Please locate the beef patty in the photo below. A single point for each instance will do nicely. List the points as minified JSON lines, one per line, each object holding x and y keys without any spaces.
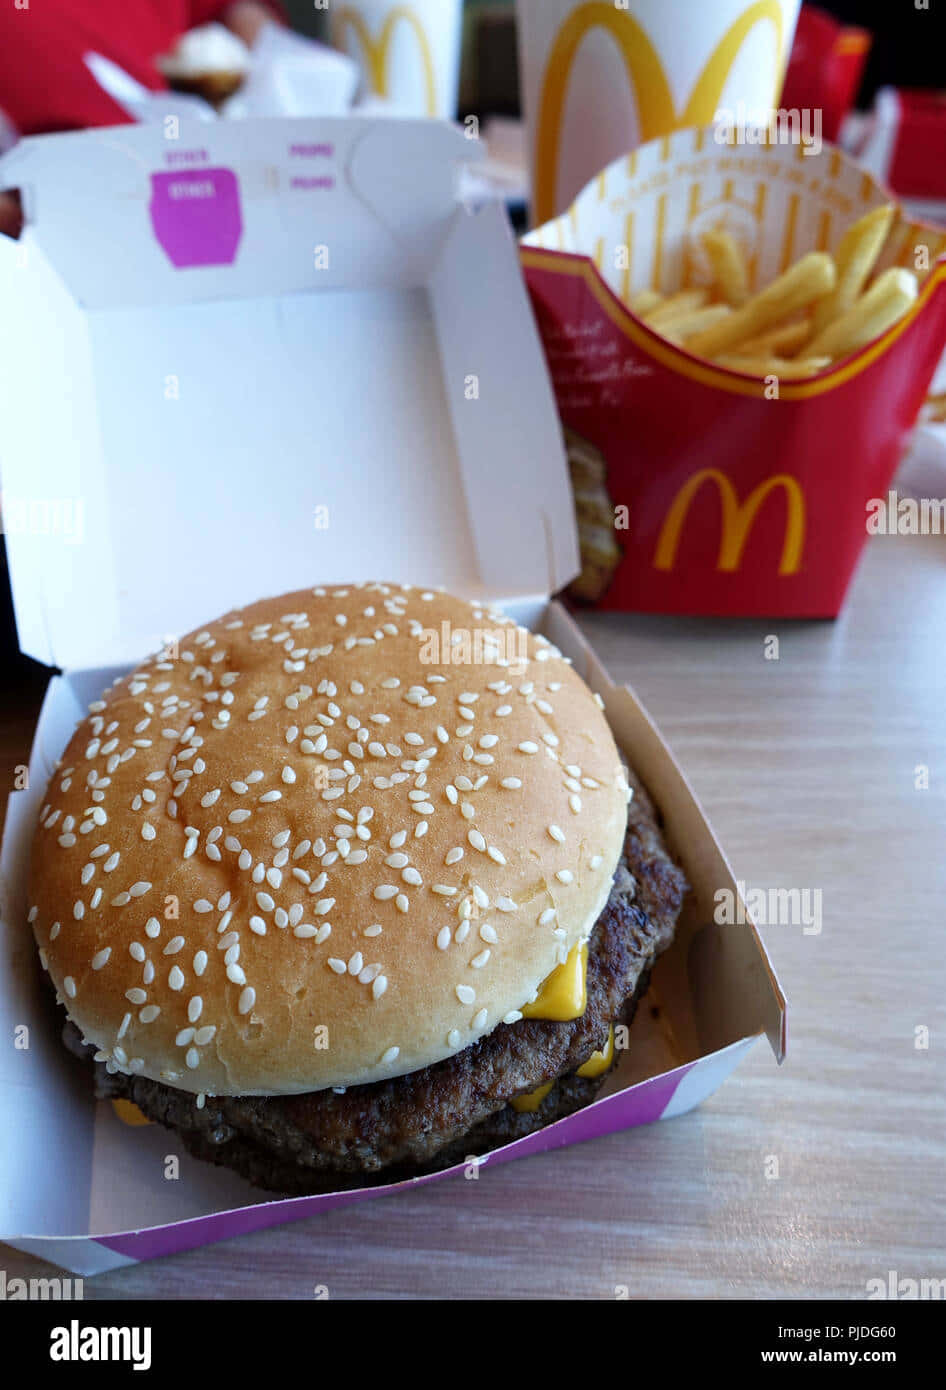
{"x":456,"y":1108}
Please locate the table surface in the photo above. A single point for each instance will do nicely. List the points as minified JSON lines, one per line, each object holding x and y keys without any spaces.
{"x":808,"y":768}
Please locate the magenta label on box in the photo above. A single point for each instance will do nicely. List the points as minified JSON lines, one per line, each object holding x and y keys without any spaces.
{"x":196,"y":218}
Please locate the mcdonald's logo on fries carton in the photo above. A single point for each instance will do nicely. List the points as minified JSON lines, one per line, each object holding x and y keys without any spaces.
{"x":719,"y":465}
{"x":635,"y":70}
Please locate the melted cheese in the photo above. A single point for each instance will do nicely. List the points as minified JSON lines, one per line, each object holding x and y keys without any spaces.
{"x":128,"y":1113}
{"x":533,"y":1100}
{"x":599,"y":1061}
{"x":563,"y":995}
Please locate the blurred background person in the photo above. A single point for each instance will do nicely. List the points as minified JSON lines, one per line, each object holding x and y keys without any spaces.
{"x":45,"y":84}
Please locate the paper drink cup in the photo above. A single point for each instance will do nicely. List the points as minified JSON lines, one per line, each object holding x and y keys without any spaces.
{"x":600,"y":77}
{"x":409,"y":53}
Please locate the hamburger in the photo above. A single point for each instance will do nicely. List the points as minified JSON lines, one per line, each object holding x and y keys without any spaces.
{"x":348,"y":885}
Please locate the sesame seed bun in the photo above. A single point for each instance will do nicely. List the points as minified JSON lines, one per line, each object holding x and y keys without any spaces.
{"x":321,"y":843}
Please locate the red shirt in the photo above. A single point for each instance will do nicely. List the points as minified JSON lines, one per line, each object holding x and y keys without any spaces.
{"x":44,"y":82}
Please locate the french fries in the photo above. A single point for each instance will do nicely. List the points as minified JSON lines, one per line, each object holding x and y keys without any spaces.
{"x":729,"y":268}
{"x":782,"y":342}
{"x":684,"y":325}
{"x":644,"y":301}
{"x":803,"y":321}
{"x":887,"y":300}
{"x":799,"y":286}
{"x":682,"y":303}
{"x":856,"y":257}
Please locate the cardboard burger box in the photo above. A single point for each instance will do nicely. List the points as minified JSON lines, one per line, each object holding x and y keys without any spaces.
{"x":236,"y":364}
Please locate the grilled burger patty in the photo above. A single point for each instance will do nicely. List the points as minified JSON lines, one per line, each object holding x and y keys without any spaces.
{"x":455,"y":1108}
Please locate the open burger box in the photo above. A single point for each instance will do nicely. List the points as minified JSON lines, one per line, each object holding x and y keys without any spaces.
{"x":246,"y":361}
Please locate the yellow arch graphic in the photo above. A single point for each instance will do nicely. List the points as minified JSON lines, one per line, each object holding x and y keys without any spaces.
{"x":378,"y":51}
{"x":738,"y":518}
{"x":655,"y":105}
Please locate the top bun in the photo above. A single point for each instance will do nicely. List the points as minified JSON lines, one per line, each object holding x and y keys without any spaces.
{"x":332,"y":837}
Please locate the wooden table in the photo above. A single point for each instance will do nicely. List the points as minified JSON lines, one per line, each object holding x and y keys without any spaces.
{"x":807,"y":766}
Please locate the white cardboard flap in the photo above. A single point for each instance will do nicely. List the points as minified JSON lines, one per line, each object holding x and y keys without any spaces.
{"x":163,"y":462}
{"x":127,"y":215}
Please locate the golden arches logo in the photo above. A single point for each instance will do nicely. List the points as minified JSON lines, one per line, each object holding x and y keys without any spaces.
{"x":655,"y":105}
{"x":377,"y":51}
{"x":738,"y":518}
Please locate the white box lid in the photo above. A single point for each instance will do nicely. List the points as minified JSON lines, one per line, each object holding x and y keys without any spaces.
{"x":259,"y":357}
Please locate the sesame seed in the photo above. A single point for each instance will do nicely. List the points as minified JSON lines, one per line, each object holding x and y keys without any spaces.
{"x":247,"y":1000}
{"x":391,"y":1055}
{"x":176,"y":977}
{"x":465,"y":994}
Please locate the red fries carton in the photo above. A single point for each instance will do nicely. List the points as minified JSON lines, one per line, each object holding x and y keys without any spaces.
{"x":700,"y":489}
